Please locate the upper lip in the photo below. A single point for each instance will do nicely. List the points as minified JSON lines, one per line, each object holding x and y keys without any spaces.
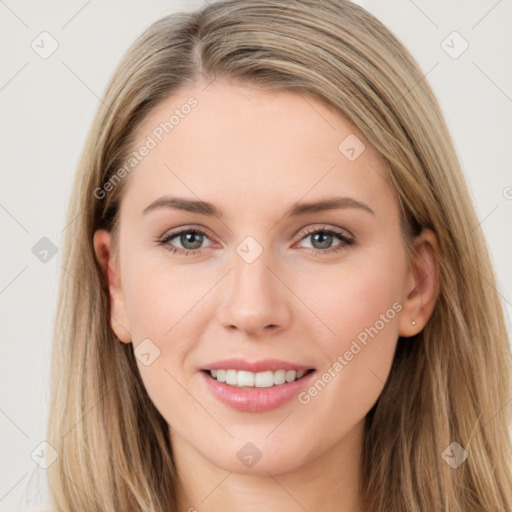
{"x":255,"y":366}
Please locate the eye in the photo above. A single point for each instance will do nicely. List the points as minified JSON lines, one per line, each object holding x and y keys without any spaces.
{"x":322,"y":239}
{"x":191,"y":240}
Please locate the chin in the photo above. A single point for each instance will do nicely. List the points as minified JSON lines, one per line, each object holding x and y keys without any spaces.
{"x":258,"y":458}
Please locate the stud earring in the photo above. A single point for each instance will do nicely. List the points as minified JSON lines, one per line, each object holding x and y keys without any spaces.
{"x":413,"y":322}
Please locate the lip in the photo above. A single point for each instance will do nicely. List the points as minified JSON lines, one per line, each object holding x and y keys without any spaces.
{"x":256,"y":399}
{"x":255,"y":366}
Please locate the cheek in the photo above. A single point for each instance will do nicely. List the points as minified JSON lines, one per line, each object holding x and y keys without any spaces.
{"x":356,"y":295}
{"x":164,"y":305}
{"x":361,"y":307}
{"x":160,"y":296}
{"x":161,"y":308}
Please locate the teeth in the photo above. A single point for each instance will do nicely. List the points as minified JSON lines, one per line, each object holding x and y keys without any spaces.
{"x":279,"y":377}
{"x":267,"y":379}
{"x":263,"y":379}
{"x":231,"y":377}
{"x":243,"y":378}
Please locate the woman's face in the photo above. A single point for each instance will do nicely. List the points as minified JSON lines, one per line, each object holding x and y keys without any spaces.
{"x":270,"y":279}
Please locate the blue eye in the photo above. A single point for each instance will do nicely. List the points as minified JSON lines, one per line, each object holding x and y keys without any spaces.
{"x":185,"y":239}
{"x":191,"y":240}
{"x":323,"y":237}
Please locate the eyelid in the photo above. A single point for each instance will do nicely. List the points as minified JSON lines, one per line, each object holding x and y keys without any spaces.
{"x":325,"y":227}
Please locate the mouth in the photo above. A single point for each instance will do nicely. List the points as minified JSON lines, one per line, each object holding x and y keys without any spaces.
{"x":269,"y":387}
{"x":264,"y":379}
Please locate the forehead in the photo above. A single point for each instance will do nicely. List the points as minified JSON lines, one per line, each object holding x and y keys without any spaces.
{"x":227,"y":142}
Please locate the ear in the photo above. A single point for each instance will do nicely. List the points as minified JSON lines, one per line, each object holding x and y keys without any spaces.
{"x":110,"y":267}
{"x":422,"y":285}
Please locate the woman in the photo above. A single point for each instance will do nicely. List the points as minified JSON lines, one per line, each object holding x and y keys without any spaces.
{"x":274,"y":294}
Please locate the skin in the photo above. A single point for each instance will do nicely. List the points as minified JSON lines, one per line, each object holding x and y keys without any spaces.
{"x":254,"y":154}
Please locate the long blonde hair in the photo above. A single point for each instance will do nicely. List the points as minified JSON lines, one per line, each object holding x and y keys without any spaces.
{"x":450,"y":383}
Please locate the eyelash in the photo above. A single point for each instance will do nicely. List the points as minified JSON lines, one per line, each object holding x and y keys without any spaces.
{"x":164,"y":241}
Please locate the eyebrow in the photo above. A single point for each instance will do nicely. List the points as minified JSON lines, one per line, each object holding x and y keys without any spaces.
{"x":297,"y":210}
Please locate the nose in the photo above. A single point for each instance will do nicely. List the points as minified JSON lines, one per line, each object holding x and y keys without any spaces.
{"x":256,"y":301}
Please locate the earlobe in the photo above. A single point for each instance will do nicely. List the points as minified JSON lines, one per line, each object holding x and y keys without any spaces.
{"x":422,"y":285}
{"x":110,"y":268}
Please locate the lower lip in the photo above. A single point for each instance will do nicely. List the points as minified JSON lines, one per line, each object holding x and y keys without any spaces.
{"x":256,"y":399}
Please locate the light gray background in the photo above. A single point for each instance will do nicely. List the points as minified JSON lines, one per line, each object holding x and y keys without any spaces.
{"x":47,"y":106}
